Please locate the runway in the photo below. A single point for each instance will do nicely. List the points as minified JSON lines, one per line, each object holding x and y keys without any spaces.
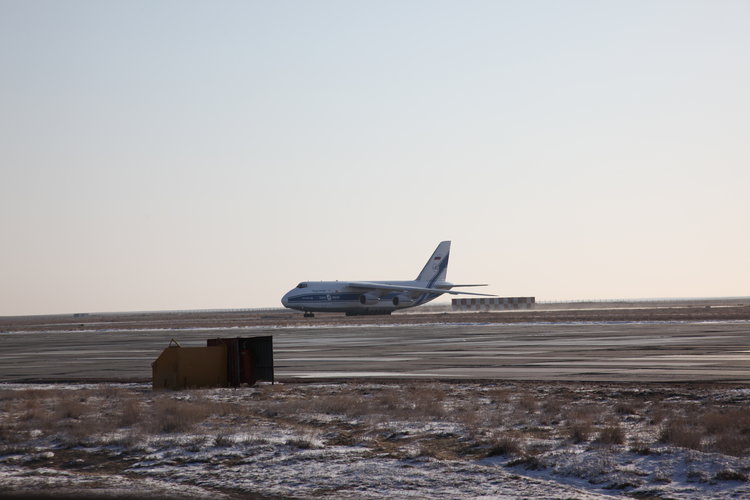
{"x":716,"y":351}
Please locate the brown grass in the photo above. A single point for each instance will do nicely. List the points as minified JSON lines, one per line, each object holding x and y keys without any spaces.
{"x":722,"y":430}
{"x":580,"y":423}
{"x":71,"y":407}
{"x":512,"y":420}
{"x":678,"y":431}
{"x":731,"y":475}
{"x":505,"y":445}
{"x":170,"y":415}
{"x":130,"y":411}
{"x":613,"y":433}
{"x":729,"y":430}
{"x":626,"y":408}
{"x":579,"y":431}
{"x":527,"y":401}
{"x":551,"y":410}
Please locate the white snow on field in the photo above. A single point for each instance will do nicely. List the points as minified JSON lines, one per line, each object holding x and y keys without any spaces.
{"x":62,"y":483}
{"x":266,"y":458}
{"x":287,"y":471}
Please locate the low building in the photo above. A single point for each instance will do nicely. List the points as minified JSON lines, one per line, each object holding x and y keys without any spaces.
{"x":492,"y":303}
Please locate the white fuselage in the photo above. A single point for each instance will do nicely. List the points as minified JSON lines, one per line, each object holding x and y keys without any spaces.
{"x":376,"y":297}
{"x":337,"y":296}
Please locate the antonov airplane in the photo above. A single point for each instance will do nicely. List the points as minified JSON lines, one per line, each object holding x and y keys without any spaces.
{"x":376,"y":297}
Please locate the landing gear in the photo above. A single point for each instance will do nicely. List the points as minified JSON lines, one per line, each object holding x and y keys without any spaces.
{"x":308,"y":314}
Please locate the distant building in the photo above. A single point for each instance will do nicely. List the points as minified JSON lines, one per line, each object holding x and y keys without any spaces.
{"x":492,"y":303}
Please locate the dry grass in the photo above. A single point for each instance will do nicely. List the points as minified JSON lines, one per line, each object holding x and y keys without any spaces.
{"x":505,"y":445}
{"x":306,"y":441}
{"x":611,"y":434}
{"x":414,"y":401}
{"x":223,"y":440}
{"x":70,"y":408}
{"x":527,"y":402}
{"x":626,"y":407}
{"x":680,"y":432}
{"x":579,"y":431}
{"x":169,"y":415}
{"x":499,"y":420}
{"x":580,"y":424}
{"x":551,"y":410}
{"x":731,"y":475}
{"x":723,"y":430}
{"x":130,"y":411}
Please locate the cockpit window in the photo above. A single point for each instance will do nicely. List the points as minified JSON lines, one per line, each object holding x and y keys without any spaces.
{"x":302,"y":285}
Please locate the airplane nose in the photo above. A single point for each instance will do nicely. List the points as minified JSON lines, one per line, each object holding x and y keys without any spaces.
{"x":284,"y":301}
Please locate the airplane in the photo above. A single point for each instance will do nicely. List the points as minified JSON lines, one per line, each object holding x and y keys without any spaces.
{"x":376,"y":297}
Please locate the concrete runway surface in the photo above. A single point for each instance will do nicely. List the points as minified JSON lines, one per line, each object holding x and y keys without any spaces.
{"x":588,"y":351}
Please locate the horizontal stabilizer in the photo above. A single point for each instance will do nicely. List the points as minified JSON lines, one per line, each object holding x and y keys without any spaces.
{"x":408,"y":288}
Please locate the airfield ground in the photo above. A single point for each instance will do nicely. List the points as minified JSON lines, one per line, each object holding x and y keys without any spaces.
{"x":629,"y":342}
{"x":679,"y":310}
{"x":628,"y":400}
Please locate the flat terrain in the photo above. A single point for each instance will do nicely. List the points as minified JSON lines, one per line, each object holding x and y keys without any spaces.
{"x":639,"y":344}
{"x":401,"y":439}
{"x":580,"y":402}
{"x":697,"y":310}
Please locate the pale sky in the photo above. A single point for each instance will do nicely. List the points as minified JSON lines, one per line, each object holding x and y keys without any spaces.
{"x":188,"y":155}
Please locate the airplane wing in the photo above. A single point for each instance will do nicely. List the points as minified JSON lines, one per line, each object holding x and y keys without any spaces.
{"x":407,"y":288}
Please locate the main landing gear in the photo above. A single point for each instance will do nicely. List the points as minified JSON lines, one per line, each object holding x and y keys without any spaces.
{"x":308,"y":314}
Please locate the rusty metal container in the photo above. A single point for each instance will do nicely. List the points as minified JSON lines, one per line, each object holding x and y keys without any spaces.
{"x":249,"y":359}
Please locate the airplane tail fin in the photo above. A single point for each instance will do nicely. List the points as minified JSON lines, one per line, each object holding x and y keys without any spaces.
{"x":436,"y":268}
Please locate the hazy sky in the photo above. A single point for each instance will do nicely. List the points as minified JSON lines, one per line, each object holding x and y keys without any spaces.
{"x":182,"y":155}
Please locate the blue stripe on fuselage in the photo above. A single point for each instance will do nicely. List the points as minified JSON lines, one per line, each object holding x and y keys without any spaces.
{"x":322,"y":297}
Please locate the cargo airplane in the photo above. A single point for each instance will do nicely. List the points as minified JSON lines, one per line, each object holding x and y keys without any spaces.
{"x":376,"y":297}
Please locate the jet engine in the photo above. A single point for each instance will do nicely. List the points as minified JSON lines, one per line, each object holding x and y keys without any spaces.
{"x":368,"y":299}
{"x":403,"y":300}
